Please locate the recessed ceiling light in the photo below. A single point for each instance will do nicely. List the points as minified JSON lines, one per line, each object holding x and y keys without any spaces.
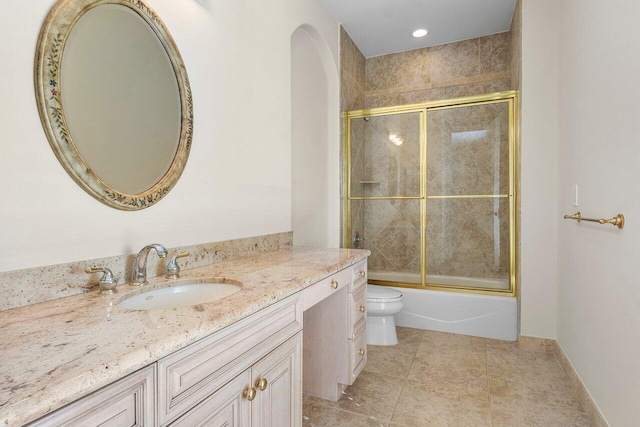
{"x":420,"y":32}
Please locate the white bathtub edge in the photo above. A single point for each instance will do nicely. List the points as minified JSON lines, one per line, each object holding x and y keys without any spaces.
{"x":477,"y":315}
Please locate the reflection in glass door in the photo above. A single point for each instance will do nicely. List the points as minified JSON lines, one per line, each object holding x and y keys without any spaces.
{"x":430,"y":192}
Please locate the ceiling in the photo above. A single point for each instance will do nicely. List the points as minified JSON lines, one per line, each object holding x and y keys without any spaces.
{"x":380,"y":27}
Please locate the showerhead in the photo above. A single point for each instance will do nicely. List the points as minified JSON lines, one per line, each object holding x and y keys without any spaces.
{"x":366,"y":119}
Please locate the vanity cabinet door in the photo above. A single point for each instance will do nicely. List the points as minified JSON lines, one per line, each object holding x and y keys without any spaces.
{"x":275,"y":382}
{"x":225,"y":408}
{"x":278,"y":382}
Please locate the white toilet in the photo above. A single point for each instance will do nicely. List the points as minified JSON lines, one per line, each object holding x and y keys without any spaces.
{"x":382,"y":304}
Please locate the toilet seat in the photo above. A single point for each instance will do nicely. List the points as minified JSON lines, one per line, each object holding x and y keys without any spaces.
{"x":377,"y":293}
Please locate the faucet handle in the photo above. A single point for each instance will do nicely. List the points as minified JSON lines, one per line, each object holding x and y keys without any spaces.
{"x":107,"y":283}
{"x":173,"y":269}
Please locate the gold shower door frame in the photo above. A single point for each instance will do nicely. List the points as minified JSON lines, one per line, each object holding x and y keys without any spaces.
{"x":510,"y":97}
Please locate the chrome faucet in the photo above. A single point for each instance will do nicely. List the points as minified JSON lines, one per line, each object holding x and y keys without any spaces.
{"x":139,"y":273}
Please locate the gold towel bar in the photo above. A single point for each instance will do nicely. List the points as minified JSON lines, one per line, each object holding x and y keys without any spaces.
{"x":617,"y":220}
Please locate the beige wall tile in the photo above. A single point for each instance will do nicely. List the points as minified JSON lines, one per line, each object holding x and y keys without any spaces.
{"x":398,"y":70}
{"x":352,"y":62}
{"x":495,"y":53}
{"x":455,"y":60}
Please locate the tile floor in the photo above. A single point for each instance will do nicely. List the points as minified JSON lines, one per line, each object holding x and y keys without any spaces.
{"x":437,"y":379}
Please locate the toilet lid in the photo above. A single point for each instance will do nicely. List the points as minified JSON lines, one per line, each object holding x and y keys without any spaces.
{"x":375,"y":292}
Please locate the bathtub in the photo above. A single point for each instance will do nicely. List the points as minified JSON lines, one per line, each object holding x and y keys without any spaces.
{"x":484,"y":316}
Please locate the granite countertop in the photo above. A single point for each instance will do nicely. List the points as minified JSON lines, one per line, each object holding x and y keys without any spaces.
{"x":57,"y":351}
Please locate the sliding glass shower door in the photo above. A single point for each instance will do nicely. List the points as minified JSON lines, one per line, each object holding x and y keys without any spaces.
{"x":386,"y":193}
{"x":430,"y":191}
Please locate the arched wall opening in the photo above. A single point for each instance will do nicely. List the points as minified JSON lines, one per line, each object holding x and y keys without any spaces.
{"x":315,"y":141}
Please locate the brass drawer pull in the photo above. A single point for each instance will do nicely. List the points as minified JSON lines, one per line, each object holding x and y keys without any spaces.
{"x":334,"y":284}
{"x":261,"y":384}
{"x":361,"y":352}
{"x":362,"y":273}
{"x":362,"y":309}
{"x":249,"y":393}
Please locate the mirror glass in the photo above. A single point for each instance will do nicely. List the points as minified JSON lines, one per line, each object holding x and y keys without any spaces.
{"x":114,"y":99}
{"x":121,"y":98}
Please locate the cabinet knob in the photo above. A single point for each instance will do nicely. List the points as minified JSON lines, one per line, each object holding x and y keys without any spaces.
{"x":361,"y":352}
{"x":261,"y":384}
{"x":362,"y":309}
{"x":249,"y":393}
{"x":362,"y":273}
{"x":334,"y":284}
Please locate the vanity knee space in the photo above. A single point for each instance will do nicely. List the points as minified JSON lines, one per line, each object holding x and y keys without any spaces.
{"x":335,"y":318}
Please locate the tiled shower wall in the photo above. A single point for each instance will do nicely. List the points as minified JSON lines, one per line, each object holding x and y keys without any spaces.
{"x":471,"y":67}
{"x":465,"y":68}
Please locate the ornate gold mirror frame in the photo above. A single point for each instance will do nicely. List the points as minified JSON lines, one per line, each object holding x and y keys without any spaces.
{"x":48,"y":62}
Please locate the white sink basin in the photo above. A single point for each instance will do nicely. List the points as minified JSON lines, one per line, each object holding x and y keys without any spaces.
{"x":180,"y":294}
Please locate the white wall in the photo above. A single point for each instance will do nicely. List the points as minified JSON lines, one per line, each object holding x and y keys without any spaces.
{"x":237,"y":181}
{"x":580,"y":113}
{"x":599,"y":272}
{"x":539,"y":137}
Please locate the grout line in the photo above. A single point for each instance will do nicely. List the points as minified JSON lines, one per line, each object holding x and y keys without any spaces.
{"x":486,"y":366}
{"x":406,"y":378}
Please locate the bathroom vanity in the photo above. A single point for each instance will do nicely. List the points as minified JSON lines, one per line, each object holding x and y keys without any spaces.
{"x":237,"y":361}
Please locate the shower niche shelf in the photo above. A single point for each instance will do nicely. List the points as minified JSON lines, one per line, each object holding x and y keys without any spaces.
{"x":370,"y":182}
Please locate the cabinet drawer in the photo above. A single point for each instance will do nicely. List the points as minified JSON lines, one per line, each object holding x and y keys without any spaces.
{"x":193,"y":373}
{"x":359,"y":275}
{"x":358,"y":352}
{"x":322,"y":289}
{"x":358,"y":308}
{"x":127,"y":402}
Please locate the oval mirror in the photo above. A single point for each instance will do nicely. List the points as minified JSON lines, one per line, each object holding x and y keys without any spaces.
{"x":114,"y":99}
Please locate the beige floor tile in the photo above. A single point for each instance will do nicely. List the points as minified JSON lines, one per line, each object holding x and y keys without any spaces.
{"x":372,"y":394}
{"x":446,"y":385}
{"x":318,"y":415}
{"x":453,"y":341}
{"x":520,"y":374}
{"x":458,"y":362}
{"x":507,"y":358}
{"x":545,"y":388}
{"x":390,"y":360}
{"x":409,"y":337}
{"x":425,"y":404}
{"x":466,"y":372}
{"x":526,"y":413}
